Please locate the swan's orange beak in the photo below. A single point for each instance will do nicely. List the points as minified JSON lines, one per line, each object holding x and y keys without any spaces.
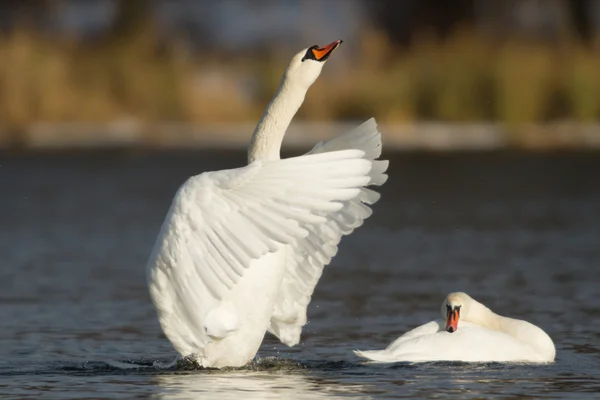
{"x":452,"y":319}
{"x":322,"y":53}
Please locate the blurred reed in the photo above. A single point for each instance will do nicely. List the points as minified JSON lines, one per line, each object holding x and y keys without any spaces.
{"x":463,"y":78}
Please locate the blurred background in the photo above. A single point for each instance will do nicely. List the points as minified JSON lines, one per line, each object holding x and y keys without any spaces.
{"x":465,"y":73}
{"x":107,"y":106}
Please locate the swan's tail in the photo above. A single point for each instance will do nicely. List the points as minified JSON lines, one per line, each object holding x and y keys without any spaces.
{"x":374,"y":355}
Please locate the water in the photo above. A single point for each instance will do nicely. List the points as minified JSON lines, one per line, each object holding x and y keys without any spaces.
{"x":521,"y":233}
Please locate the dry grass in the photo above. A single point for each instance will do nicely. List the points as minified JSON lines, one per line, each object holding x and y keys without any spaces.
{"x":465,"y":78}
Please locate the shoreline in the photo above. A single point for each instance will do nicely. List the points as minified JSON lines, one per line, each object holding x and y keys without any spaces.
{"x":433,"y":136}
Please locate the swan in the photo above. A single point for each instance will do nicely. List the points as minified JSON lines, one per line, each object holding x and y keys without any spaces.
{"x":481,"y":336}
{"x":241,"y":250}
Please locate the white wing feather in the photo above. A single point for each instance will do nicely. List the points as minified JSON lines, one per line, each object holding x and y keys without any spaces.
{"x":312,"y":253}
{"x":221,"y":221}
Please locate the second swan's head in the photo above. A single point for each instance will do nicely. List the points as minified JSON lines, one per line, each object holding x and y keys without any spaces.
{"x":455,"y":306}
{"x":306,"y":66}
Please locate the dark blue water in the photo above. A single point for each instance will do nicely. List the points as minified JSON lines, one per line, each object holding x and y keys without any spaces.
{"x":521,"y":233}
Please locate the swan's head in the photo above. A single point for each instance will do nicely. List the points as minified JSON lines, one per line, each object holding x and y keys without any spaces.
{"x":455,"y":306}
{"x":306,"y":66}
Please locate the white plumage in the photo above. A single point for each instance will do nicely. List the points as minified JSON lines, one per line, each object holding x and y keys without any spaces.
{"x":241,"y":250}
{"x":476,"y":335}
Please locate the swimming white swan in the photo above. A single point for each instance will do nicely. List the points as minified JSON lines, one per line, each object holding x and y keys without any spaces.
{"x":241,"y":250}
{"x":469,"y":332}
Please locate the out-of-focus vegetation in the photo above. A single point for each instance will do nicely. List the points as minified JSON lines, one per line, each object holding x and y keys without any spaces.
{"x":462,"y":77}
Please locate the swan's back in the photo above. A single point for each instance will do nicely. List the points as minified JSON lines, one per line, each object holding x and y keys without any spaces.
{"x":470,"y":343}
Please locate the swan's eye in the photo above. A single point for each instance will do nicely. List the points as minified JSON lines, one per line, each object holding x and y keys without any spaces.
{"x":449,"y":308}
{"x":310,"y":55}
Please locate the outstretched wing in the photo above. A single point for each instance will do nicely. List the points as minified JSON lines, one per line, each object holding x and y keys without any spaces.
{"x":313,"y":252}
{"x":219,"y":222}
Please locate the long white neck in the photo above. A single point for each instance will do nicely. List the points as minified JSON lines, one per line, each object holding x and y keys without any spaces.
{"x":481,"y":315}
{"x":268,"y":135}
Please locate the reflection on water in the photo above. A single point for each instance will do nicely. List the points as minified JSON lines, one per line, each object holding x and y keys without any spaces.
{"x":265,"y":378}
{"x":250,"y":385}
{"x":521,"y":233}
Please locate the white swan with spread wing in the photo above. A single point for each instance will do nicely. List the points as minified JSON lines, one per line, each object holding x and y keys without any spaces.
{"x":241,"y":250}
{"x":469,"y":332}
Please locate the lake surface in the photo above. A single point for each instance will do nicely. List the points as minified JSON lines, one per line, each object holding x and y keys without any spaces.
{"x":520,"y":233}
